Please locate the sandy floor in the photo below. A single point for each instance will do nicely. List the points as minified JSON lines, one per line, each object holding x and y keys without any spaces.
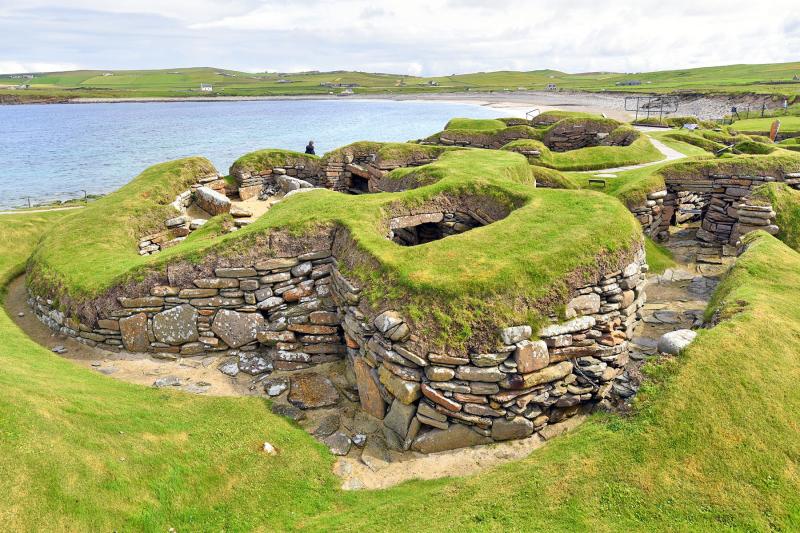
{"x":357,"y":474}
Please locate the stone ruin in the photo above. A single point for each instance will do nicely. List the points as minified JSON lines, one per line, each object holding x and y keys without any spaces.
{"x":288,"y":305}
{"x":722,"y":203}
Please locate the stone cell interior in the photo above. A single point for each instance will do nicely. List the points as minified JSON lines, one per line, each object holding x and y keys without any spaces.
{"x":434,"y":227}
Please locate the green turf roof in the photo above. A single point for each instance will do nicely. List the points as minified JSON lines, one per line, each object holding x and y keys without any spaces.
{"x":490,"y":275}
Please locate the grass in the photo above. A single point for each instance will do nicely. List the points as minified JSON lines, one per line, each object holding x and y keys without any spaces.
{"x":24,"y":231}
{"x":712,"y":444}
{"x":109,"y":229}
{"x":81,"y":451}
{"x":262,"y":159}
{"x":631,"y":187}
{"x":472,"y":124}
{"x":591,"y":158}
{"x":697,"y":455}
{"x":686,"y":147}
{"x":659,"y":258}
{"x":775,"y":79}
{"x":519,"y":137}
{"x":702,"y":144}
{"x":786,"y":203}
{"x":789,"y":124}
{"x":488,"y":276}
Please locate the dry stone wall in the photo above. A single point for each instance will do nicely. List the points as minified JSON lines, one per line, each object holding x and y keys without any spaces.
{"x":210,"y":193}
{"x":721,"y":202}
{"x":274,"y":312}
{"x":431,"y":401}
{"x":291,"y":307}
{"x":267,"y":181}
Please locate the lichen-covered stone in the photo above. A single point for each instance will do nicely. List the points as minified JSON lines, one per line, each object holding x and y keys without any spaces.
{"x":368,"y":391}
{"x":545,"y":375}
{"x":572,"y":326}
{"x":237,"y":329}
{"x":517,"y":428}
{"x":399,"y":417}
{"x":531,"y":356}
{"x":515,"y":334}
{"x":405,"y":391}
{"x":176,"y":326}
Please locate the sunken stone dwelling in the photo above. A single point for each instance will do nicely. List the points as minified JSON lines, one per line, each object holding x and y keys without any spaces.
{"x":427,"y":275}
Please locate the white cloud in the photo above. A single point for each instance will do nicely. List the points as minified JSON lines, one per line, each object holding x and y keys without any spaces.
{"x":14,"y":67}
{"x":413,"y":36}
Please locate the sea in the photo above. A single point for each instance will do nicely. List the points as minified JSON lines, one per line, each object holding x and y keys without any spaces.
{"x":64,"y":151}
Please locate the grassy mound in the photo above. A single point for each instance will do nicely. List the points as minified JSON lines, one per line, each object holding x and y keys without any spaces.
{"x":632,"y":187}
{"x":786,"y":203}
{"x":590,"y":158}
{"x":676,"y":122}
{"x":711,"y":445}
{"x":703,"y":143}
{"x":621,"y":146}
{"x":260,"y":160}
{"x":551,"y":117}
{"x":102,"y":239}
{"x":490,"y":275}
{"x":475,"y":124}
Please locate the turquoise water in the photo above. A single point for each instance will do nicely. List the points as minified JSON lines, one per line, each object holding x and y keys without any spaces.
{"x":57,"y":151}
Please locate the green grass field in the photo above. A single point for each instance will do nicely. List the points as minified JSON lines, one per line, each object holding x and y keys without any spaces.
{"x":185,"y":82}
{"x":789,"y":124}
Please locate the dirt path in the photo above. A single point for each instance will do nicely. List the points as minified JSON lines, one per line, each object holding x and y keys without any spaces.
{"x":670,"y":154}
{"x":677,"y":298}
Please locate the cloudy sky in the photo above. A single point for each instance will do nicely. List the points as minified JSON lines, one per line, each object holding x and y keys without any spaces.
{"x":429,"y":37}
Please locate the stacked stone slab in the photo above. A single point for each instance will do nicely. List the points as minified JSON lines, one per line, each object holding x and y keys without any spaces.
{"x":344,"y":171}
{"x":654,"y":214}
{"x":275,"y":313}
{"x":211,"y":201}
{"x":210,"y":193}
{"x":573,"y":135}
{"x":721,"y":202}
{"x":262,"y":183}
{"x":434,"y":400}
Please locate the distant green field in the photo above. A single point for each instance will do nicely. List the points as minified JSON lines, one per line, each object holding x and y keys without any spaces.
{"x":776,"y":79}
{"x":789,"y":124}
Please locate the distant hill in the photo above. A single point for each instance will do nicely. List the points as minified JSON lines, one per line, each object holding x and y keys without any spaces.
{"x":778,"y":79}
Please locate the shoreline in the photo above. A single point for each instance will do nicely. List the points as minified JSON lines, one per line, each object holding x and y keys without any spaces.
{"x":517,"y":103}
{"x":611,"y":103}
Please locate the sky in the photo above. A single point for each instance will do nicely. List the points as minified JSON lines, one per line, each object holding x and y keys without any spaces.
{"x":418,"y":37}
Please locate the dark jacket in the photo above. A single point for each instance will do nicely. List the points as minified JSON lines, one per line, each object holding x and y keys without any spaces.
{"x":310,"y":149}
